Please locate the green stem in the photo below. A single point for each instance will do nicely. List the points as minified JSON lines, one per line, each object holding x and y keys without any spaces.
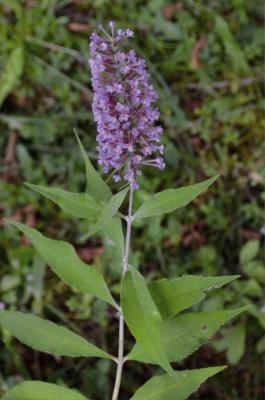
{"x":120,"y":360}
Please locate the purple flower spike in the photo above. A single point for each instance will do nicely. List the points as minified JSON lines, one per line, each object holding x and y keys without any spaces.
{"x":123,"y":107}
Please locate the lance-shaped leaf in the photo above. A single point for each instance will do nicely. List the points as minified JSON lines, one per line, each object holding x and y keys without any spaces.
{"x":113,"y":230}
{"x":46,"y":336}
{"x":79,"y":205}
{"x":37,"y":390}
{"x":171,"y":199}
{"x":180,"y":387}
{"x":96,"y":186}
{"x":63,"y":260}
{"x":173,"y":296}
{"x":143,"y":318}
{"x":184,"y":334}
{"x":107,"y":213}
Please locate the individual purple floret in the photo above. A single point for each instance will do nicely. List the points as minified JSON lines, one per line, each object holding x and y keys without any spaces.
{"x":123,"y":107}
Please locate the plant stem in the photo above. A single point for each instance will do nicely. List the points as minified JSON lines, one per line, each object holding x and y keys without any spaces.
{"x":120,"y":360}
{"x":128,"y":233}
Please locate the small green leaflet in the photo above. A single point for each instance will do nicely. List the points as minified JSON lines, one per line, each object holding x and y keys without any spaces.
{"x":184,"y":334}
{"x":180,"y":387}
{"x":107,"y":213}
{"x":171,"y":199}
{"x":79,"y":205}
{"x":46,"y":336}
{"x":12,"y":72}
{"x":143,"y":318}
{"x":96,"y":186}
{"x":36,"y":390}
{"x":236,"y":341}
{"x":249,"y":251}
{"x":63,"y":260}
{"x":173,"y":296}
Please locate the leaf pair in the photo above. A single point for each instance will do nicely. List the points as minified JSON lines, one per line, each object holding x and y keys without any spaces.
{"x":147,"y":310}
{"x":162,"y":337}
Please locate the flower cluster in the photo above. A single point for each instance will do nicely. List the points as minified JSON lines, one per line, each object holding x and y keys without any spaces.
{"x":123,"y":107}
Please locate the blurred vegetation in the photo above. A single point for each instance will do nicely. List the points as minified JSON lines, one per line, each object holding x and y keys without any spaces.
{"x":206,"y":61}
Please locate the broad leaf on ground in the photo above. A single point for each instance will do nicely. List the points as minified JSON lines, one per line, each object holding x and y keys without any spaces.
{"x":173,"y":296}
{"x":37,"y":390}
{"x":184,"y":334}
{"x":96,"y":186}
{"x":63,"y":260}
{"x":180,"y":387}
{"x":171,"y":199}
{"x":143,"y":318}
{"x":46,"y":336}
{"x":79,"y":205}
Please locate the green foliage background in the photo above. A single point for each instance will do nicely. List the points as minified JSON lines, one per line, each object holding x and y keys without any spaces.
{"x":206,"y":61}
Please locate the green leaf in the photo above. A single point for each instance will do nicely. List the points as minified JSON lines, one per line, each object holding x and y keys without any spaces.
{"x":184,"y":334}
{"x":36,"y":390}
{"x":46,"y":336}
{"x":64,"y":261}
{"x":143,"y":318}
{"x":79,"y":205}
{"x":180,"y":387}
{"x":236,"y":343}
{"x":173,"y":296}
{"x":249,"y":251}
{"x":107,"y":213}
{"x":113,"y":230}
{"x":12,"y":72}
{"x":171,"y":199}
{"x":96,"y":186}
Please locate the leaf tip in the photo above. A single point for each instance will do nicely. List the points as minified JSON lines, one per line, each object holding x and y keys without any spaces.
{"x":28,"y":184}
{"x":77,"y":136}
{"x":9,"y":221}
{"x":214,"y":178}
{"x":234,"y":277}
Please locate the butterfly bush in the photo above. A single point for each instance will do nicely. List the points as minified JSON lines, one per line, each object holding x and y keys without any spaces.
{"x":124,"y":107}
{"x":128,"y":138}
